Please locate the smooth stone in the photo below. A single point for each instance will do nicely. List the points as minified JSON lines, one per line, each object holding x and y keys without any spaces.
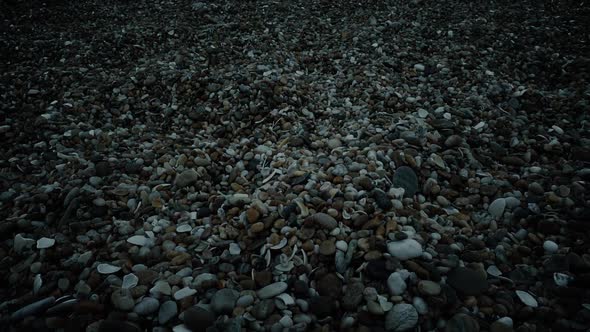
{"x":467,"y":281}
{"x":234,"y":249}
{"x":122,"y":299}
{"x":402,"y":317}
{"x":184,"y":292}
{"x":198,"y":319}
{"x":44,"y":243}
{"x":405,"y":177}
{"x":327,"y":248}
{"x":429,"y":288}
{"x":185,"y":228}
{"x":353,"y":296}
{"x":204,"y":278}
{"x":325,"y":220}
{"x":224,"y":300}
{"x":129,"y":281}
{"x":405,"y":249}
{"x":342,"y":245}
{"x":161,"y":287}
{"x":168,"y":310}
{"x":107,"y":268}
{"x":396,"y":284}
{"x":245,"y":300}
{"x":462,"y":323}
{"x":374,"y":308}
{"x":147,"y":306}
{"x":21,"y":243}
{"x":33,"y":308}
{"x":272,"y":290}
{"x":550,"y":247}
{"x":138,"y":240}
{"x":263,"y":309}
{"x":420,"y":305}
{"x":186,"y":178}
{"x":497,"y":207}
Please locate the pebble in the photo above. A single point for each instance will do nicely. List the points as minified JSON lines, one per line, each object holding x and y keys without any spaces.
{"x":405,"y":249}
{"x":429,"y":288}
{"x":44,"y":243}
{"x":184,"y":292}
{"x":402,"y":317}
{"x":327,"y":248}
{"x":353,"y":296}
{"x":497,"y":207}
{"x":22,"y":243}
{"x":186,"y":178}
{"x":550,"y":247}
{"x":462,"y":322}
{"x":405,"y":177}
{"x":198,"y":319}
{"x":168,"y":310}
{"x":147,"y":306}
{"x":122,"y":299}
{"x":467,"y":281}
{"x":396,"y":284}
{"x":324,"y":220}
{"x":224,"y":300}
{"x":272,"y":290}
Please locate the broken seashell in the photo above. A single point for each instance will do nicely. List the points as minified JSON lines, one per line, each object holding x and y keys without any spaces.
{"x":561,"y":279}
{"x":304,"y":210}
{"x":234,"y":249}
{"x":129,"y":281}
{"x":105,"y":268}
{"x":286,"y":298}
{"x":138,"y":240}
{"x":280,"y":245}
{"x":527,"y":299}
{"x":184,"y":228}
{"x":494,"y":271}
{"x":37,"y":283}
{"x":44,"y":243}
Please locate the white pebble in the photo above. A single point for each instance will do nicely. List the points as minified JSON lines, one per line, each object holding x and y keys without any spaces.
{"x":550,"y":247}
{"x":342,"y":245}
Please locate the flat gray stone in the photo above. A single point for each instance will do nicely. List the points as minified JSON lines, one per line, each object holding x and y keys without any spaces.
{"x":406,"y":178}
{"x":272,"y":290}
{"x":402,"y":317}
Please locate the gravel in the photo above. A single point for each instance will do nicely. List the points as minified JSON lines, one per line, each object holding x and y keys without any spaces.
{"x":390,"y":165}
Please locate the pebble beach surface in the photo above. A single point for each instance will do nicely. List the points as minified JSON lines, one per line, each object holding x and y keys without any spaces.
{"x":294,"y":166}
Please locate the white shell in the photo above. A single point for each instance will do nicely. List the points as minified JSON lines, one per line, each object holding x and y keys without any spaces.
{"x":129,"y":281}
{"x":180,"y":328}
{"x":494,"y":271}
{"x":286,"y":298}
{"x":234,"y":249}
{"x":561,"y":279}
{"x":280,"y":245}
{"x":304,"y":210}
{"x":185,"y":228}
{"x":37,"y":283}
{"x":105,"y":268}
{"x":44,"y":243}
{"x":285,"y":267}
{"x":527,"y":299}
{"x":138,"y":240}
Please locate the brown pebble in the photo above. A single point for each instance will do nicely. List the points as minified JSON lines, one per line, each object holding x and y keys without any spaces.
{"x":257,"y":227}
{"x":252,"y":215}
{"x":327,"y":248}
